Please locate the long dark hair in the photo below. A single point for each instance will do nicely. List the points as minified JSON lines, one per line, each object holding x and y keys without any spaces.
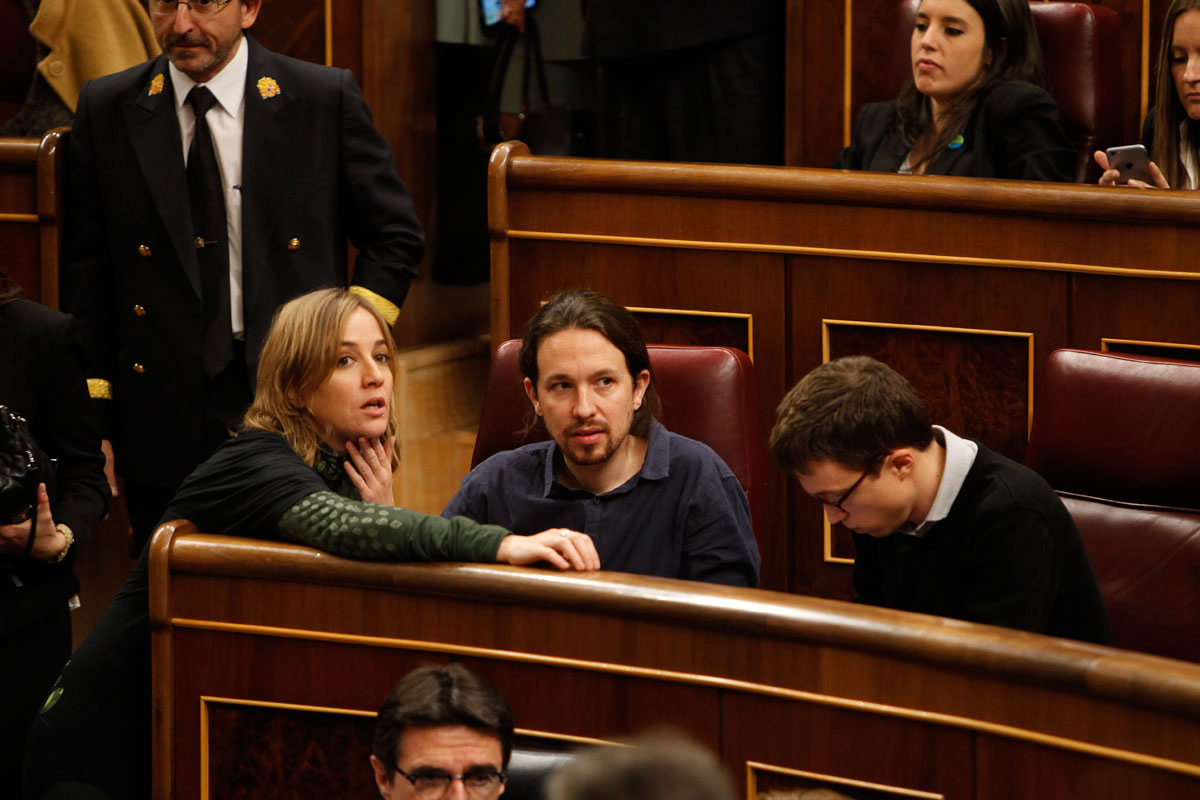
{"x":1169,"y":112}
{"x":588,"y":310}
{"x":1012,"y":42}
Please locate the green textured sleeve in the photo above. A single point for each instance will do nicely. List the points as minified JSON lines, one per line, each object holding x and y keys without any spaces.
{"x":368,"y":531}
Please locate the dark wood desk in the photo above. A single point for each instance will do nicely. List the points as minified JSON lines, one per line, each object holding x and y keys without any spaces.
{"x":270,"y":660}
{"x":965,"y":286}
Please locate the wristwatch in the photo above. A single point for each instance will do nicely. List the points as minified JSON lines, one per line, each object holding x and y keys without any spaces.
{"x":70,"y":537}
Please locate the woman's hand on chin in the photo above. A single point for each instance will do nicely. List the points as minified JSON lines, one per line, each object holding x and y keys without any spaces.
{"x":370,"y":469}
{"x":562,"y":548}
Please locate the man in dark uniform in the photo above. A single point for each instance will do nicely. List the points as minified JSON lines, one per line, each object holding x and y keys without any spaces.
{"x":204,"y":189}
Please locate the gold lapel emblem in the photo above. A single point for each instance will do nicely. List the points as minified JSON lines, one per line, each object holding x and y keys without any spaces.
{"x":267,"y":88}
{"x":156,"y":85}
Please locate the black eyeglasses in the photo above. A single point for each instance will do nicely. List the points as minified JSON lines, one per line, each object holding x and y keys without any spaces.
{"x":846,"y":494}
{"x":432,"y":784}
{"x":199,"y":8}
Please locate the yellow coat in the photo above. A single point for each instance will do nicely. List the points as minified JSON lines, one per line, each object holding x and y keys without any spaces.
{"x":90,"y":38}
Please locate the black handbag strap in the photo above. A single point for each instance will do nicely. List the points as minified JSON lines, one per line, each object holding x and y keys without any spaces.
{"x":502,"y":57}
{"x":533,"y":56}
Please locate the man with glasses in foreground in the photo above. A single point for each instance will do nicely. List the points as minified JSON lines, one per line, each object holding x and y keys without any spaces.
{"x":941,"y":524}
{"x":442,"y":733}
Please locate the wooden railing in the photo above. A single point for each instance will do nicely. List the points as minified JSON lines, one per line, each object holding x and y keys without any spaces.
{"x":270,"y":659}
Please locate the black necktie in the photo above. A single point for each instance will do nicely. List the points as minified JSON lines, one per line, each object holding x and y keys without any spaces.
{"x":207,"y":196}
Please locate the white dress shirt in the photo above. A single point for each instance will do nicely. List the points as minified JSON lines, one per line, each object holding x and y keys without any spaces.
{"x":225,"y":119}
{"x":960,"y":456}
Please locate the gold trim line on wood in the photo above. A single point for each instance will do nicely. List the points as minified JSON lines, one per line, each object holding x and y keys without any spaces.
{"x":688,"y":312}
{"x":1106,"y":341}
{"x":848,"y":69}
{"x":12,"y":217}
{"x":868,"y":255}
{"x":727,"y":684}
{"x":1144,"y":88}
{"x":238,"y":701}
{"x":752,"y":782}
{"x":566,"y":737}
{"x":329,"y":33}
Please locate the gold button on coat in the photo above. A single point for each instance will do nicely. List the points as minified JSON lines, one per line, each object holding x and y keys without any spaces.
{"x":143,"y":251}
{"x":139,"y":369}
{"x":294,"y":244}
{"x":139,"y":311}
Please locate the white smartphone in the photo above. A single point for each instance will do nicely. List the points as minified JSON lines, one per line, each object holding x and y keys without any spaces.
{"x":1132,"y":161}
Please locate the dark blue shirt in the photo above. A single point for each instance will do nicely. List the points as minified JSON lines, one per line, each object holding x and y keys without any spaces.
{"x":683,"y":515}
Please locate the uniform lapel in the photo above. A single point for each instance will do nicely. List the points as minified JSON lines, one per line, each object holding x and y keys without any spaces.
{"x":154,"y":131}
{"x":269,"y":138}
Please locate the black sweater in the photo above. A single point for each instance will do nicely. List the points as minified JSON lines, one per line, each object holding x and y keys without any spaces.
{"x":1007,"y":554}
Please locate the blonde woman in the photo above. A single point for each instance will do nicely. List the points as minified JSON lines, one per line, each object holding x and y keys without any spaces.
{"x":313,"y":465}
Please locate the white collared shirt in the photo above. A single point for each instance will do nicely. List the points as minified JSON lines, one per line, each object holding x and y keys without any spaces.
{"x":225,"y":120}
{"x":960,"y":456}
{"x":1187,"y":156}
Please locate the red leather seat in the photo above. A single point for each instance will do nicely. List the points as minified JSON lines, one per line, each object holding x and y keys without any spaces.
{"x":1081,"y":61}
{"x":708,"y":393}
{"x":1119,"y":438}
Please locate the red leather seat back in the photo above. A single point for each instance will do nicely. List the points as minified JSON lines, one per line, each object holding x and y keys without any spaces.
{"x":1080,"y":43}
{"x":1148,"y":564}
{"x":708,"y":393}
{"x":1119,"y":437}
{"x":1120,"y":427}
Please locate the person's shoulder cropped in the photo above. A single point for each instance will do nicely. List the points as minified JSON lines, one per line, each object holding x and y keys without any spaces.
{"x":42,"y":378}
{"x":1015,"y":132}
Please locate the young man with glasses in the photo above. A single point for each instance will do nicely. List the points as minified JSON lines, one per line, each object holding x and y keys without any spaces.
{"x":941,"y":524}
{"x":443,"y":732}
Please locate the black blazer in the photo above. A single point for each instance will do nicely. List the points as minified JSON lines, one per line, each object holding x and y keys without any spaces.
{"x":41,"y":378}
{"x":316,"y":173}
{"x":1015,"y":131}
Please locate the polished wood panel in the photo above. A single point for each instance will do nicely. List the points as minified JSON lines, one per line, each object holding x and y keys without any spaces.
{"x":796,"y":683}
{"x":964,"y":285}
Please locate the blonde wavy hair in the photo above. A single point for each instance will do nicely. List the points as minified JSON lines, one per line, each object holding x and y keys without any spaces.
{"x":299,"y":355}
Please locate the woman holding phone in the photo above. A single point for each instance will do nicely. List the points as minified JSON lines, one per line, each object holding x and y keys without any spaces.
{"x":972,"y":104}
{"x":1172,"y":130}
{"x":313,"y":464}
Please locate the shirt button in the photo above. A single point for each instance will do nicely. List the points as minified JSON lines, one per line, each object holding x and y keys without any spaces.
{"x":294,"y":244}
{"x":57,"y":68}
{"x":139,"y":311}
{"x":143,"y":251}
{"x":139,"y":369}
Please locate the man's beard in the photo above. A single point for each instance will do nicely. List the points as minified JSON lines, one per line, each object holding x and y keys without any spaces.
{"x":591,"y":455}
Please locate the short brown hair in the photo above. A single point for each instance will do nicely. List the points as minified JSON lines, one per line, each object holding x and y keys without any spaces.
{"x":586,"y":310}
{"x":434,"y":696}
{"x":851,"y":411}
{"x":299,"y":354}
{"x":662,"y":765}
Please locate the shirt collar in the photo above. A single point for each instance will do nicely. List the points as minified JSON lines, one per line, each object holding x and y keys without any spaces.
{"x":960,"y":456}
{"x":655,"y":466}
{"x":228,"y":85}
